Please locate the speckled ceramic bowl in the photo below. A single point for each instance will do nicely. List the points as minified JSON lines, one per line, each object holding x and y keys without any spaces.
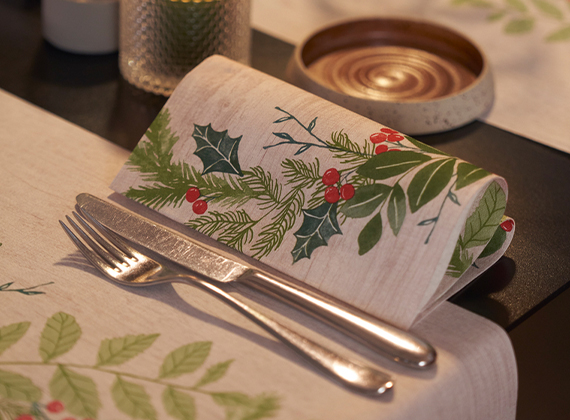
{"x":414,"y":76}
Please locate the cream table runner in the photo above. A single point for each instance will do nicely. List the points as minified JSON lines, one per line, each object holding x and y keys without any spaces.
{"x":74,"y":345}
{"x":527,"y":43}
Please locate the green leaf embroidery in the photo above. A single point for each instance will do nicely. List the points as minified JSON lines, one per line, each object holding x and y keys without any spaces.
{"x":77,"y":392}
{"x":179,"y":404}
{"x":318,"y":226}
{"x":425,"y":147}
{"x":467,"y":174}
{"x":17,"y":387}
{"x":118,"y":350}
{"x":429,"y":182}
{"x":559,"y":35}
{"x":214,"y":373}
{"x":397,"y":209}
{"x":132,"y":400}
{"x":549,"y":9}
{"x":519,"y":26}
{"x":482,"y":224}
{"x":243,"y":407}
{"x":366,"y":199}
{"x":496,"y":242}
{"x":387,"y":165}
{"x":10,"y":334}
{"x":370,"y":234}
{"x":185,"y":359}
{"x":59,"y":335}
{"x":217,"y":150}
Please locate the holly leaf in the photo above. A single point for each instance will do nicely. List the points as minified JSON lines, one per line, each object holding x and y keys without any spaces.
{"x":132,"y":399}
{"x":370,"y":234}
{"x":397,"y":209}
{"x":77,"y":392}
{"x":10,"y":334}
{"x":179,"y":404}
{"x":387,"y":165}
{"x":366,"y":199}
{"x":59,"y":335}
{"x":429,"y":182}
{"x":482,"y":223}
{"x":118,"y":350}
{"x":17,"y":387}
{"x":319,"y":224}
{"x":185,"y":359}
{"x":217,"y":150}
{"x":467,"y":174}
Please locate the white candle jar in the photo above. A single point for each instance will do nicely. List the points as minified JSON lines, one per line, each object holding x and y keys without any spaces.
{"x":162,"y":40}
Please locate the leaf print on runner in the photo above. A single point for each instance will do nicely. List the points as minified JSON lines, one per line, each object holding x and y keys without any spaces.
{"x":78,"y":392}
{"x":179,"y":404}
{"x":59,"y":335}
{"x":132,"y":399}
{"x":429,"y":182}
{"x":10,"y":334}
{"x":115,"y":351}
{"x":214,"y":373}
{"x":467,"y":174}
{"x":366,"y":200}
{"x":318,"y":226}
{"x":217,"y":150}
{"x":17,"y":387}
{"x":370,"y":235}
{"x":241,"y":406}
{"x":185,"y":359}
{"x":396,"y":209}
{"x":388,"y":165}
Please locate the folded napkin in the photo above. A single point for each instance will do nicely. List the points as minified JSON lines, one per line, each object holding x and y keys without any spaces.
{"x":359,"y":211}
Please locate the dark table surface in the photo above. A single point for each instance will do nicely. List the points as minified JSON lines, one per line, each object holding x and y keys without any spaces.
{"x":525,"y":292}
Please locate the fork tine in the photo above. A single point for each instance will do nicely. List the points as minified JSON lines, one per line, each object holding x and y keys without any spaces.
{"x":112,"y":237}
{"x":93,"y":257}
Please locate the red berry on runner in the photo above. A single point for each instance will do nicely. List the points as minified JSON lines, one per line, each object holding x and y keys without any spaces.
{"x":388,"y":130}
{"x":381,"y":149}
{"x":54,"y":406}
{"x":507,"y":225}
{"x":347,"y":191}
{"x":378,"y":138}
{"x":200,"y":207}
{"x":192,"y":194}
{"x":395,"y":137}
{"x":331,"y":177}
{"x":332,"y":195}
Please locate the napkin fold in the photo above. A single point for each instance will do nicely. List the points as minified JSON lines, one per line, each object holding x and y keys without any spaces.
{"x":353,"y":208}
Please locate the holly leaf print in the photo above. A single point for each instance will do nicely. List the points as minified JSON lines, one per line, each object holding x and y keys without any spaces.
{"x":59,"y":335}
{"x":76,"y":391}
{"x":217,"y":150}
{"x":118,"y":350}
{"x":10,"y":334}
{"x":319,"y":224}
{"x":17,"y":387}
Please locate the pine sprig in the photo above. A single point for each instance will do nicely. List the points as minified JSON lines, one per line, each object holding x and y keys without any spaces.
{"x":267,"y":190}
{"x":234,"y":229}
{"x":347,"y":151}
{"x":301,"y":174}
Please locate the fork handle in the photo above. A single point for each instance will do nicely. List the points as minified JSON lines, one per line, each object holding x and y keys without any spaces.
{"x":349,"y":373}
{"x":392,"y":342}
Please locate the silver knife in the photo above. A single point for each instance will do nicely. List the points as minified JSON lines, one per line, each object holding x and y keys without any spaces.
{"x":388,"y":340}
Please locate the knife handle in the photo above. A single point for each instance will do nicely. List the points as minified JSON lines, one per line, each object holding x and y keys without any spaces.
{"x":390,"y":341}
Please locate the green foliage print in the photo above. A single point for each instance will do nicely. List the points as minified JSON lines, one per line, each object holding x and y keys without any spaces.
{"x":521,"y":16}
{"x":481,"y":228}
{"x":366,"y":184}
{"x":73,"y":391}
{"x":28,"y":291}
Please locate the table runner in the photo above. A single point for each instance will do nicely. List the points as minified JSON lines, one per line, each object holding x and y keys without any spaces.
{"x":74,"y":345}
{"x":527,"y":43}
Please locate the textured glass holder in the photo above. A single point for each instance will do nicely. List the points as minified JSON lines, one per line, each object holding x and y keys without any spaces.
{"x":162,"y":40}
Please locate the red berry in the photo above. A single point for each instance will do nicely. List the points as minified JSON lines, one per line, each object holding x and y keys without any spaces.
{"x":347,"y":191}
{"x":507,"y":225}
{"x":200,"y":207}
{"x":24,"y":417}
{"x":331,"y":177}
{"x":378,"y":137}
{"x":381,"y":149}
{"x":192,"y":194}
{"x":388,"y":130}
{"x":394,"y":150}
{"x":332,"y":195}
{"x":54,"y":406}
{"x":395,"y":137}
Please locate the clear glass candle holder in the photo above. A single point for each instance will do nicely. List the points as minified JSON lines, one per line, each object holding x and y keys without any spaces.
{"x":162,"y":40}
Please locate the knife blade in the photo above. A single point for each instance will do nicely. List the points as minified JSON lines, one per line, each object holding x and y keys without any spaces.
{"x":218,"y":265}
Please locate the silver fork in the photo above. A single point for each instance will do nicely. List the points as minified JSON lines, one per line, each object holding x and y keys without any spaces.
{"x":124,"y":265}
